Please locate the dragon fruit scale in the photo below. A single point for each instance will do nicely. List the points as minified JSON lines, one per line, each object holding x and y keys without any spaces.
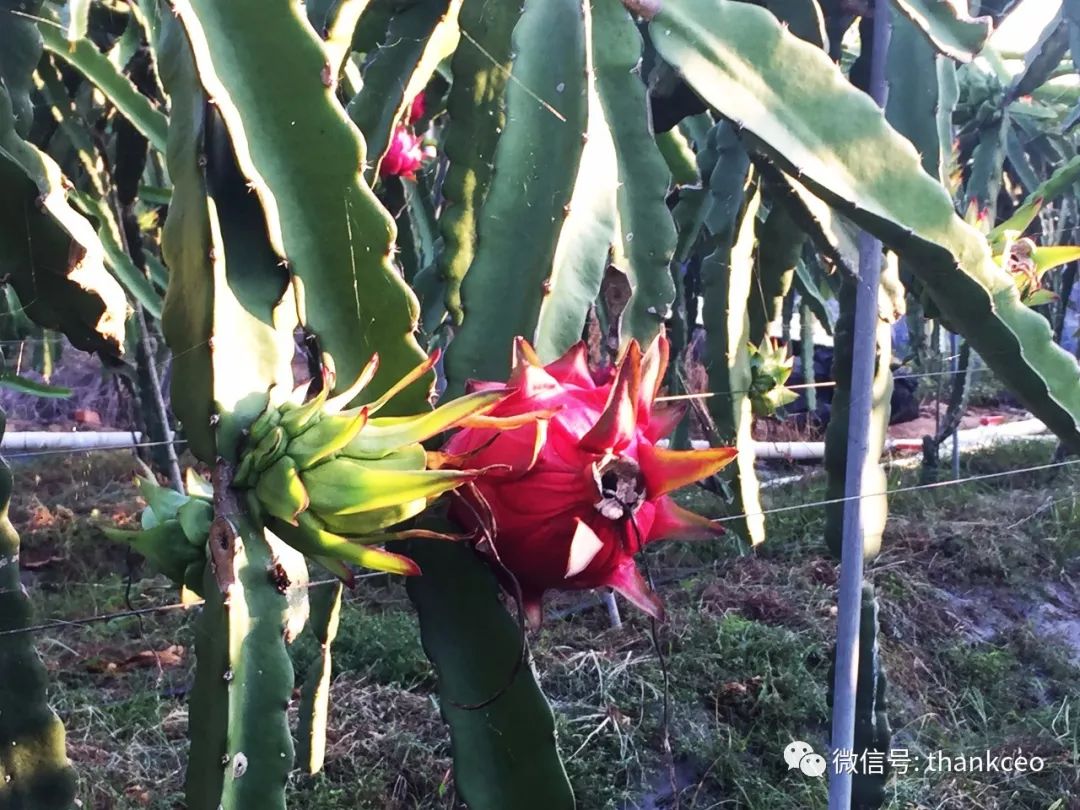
{"x":574,"y":493}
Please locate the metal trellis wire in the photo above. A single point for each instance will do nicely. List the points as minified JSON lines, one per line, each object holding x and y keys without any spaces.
{"x":55,"y":624}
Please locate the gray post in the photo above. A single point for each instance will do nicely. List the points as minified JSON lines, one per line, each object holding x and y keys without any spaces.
{"x":955,"y":352}
{"x":862,"y":382}
{"x":612,"y":608}
{"x":176,"y":478}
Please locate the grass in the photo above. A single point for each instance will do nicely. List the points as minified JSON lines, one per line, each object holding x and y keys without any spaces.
{"x":980,"y":636}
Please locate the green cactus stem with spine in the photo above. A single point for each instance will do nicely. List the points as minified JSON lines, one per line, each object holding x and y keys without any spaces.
{"x":726,"y":283}
{"x":315,"y":694}
{"x":874,"y":504}
{"x":873,"y":733}
{"x":536,"y":162}
{"x":302,"y":157}
{"x":948,"y":28}
{"x":644,"y":239}
{"x":34,"y":770}
{"x":502,"y":731}
{"x":85,"y":57}
{"x":400,"y":68}
{"x":51,"y":253}
{"x":477,"y":111}
{"x":227,"y":290}
{"x":242,"y":749}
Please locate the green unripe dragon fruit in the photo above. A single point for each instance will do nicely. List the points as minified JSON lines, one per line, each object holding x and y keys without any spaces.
{"x":174,"y":529}
{"x":333,"y":482}
{"x":770,"y":367}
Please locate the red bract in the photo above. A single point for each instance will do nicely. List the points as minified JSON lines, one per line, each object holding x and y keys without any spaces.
{"x":575,"y":492}
{"x":404,"y":156}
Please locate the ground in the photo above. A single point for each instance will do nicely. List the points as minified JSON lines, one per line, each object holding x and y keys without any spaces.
{"x":980,"y":615}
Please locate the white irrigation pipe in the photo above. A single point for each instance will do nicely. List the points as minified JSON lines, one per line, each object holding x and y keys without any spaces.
{"x":33,"y":440}
{"x":789,"y":451}
{"x":969,"y":439}
{"x":984,"y":435}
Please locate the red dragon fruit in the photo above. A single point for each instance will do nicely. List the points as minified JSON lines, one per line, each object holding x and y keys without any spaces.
{"x":580,"y":487}
{"x":405,"y":155}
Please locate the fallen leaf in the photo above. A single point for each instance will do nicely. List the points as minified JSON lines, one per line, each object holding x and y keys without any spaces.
{"x":90,"y":418}
{"x":138,"y":793}
{"x":169,"y":657}
{"x":36,"y":564}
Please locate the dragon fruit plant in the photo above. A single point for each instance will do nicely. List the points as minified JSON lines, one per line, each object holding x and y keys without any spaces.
{"x":267,"y":136}
{"x":570,"y":497}
{"x":1028,"y":263}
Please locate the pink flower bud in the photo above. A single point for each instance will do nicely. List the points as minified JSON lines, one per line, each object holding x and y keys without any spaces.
{"x":405,"y":155}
